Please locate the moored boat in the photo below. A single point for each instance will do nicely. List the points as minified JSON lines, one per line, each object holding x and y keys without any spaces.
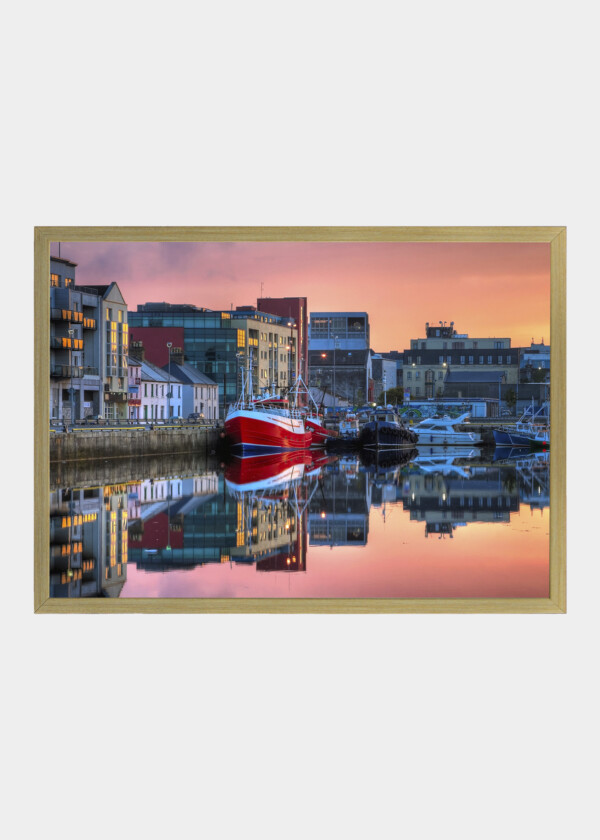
{"x":264,"y":424}
{"x":385,"y":429}
{"x":442,"y":431}
{"x":526,"y":432}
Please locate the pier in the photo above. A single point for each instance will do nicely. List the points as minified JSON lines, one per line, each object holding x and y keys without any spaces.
{"x":123,"y":442}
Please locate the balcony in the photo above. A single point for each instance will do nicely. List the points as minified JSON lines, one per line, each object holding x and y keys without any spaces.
{"x":89,"y":323}
{"x":66,"y":371}
{"x":67,"y":315}
{"x":66,"y":343}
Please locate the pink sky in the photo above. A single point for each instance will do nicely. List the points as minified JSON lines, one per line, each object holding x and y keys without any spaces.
{"x":487,"y":289}
{"x":483,"y":560}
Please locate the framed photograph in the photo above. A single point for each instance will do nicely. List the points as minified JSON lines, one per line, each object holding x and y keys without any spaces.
{"x":300,"y":420}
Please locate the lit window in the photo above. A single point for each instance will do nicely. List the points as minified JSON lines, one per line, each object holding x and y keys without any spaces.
{"x":241,"y":338}
{"x":54,"y":279}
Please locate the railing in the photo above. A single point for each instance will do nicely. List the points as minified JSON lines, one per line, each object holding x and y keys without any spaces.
{"x":89,"y":323}
{"x":66,"y":343}
{"x":66,"y":371}
{"x":98,"y":424}
{"x":67,"y":315}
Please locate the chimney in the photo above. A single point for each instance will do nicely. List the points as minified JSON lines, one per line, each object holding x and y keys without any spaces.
{"x":176,"y":355}
{"x":136,"y":350}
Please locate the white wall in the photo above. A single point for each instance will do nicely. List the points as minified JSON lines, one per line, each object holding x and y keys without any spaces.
{"x":332,"y":726}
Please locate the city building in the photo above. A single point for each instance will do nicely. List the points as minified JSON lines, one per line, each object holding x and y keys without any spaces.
{"x":134,"y":382}
{"x":346,"y":374}
{"x":384,"y":374}
{"x":342,"y":330}
{"x":397,"y":356}
{"x":295,"y":311}
{"x":219,"y":344}
{"x":534,"y":362}
{"x":428,"y":362}
{"x":160,"y":393}
{"x":113,"y":348}
{"x":75,"y":376}
{"x":200,"y":394}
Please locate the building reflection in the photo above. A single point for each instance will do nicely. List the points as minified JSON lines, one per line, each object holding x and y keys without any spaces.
{"x":88,"y":542}
{"x":454,"y":493}
{"x":338,"y":513}
{"x":267,"y":513}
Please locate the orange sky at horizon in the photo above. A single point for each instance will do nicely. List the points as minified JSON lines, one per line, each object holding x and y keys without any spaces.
{"x":487,"y":289}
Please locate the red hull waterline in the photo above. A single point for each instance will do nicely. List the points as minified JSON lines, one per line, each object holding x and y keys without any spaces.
{"x":254,"y":434}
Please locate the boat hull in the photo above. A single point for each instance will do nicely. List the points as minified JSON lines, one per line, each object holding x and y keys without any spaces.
{"x":319,"y":434}
{"x":442,"y":439}
{"x":385,"y":434}
{"x":249,"y":431}
{"x":506,"y":437}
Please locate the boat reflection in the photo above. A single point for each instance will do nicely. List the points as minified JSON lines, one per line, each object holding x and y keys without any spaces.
{"x":268,"y":513}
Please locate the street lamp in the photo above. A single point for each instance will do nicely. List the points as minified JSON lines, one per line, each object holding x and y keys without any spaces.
{"x":292,"y":326}
{"x":336,"y":344}
{"x":384,"y":389}
{"x":169,"y":345}
{"x":71,"y":334}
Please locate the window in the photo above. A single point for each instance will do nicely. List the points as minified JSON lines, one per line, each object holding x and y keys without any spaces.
{"x":417,"y":374}
{"x":475,"y":345}
{"x":409,"y":374}
{"x":54,"y":279}
{"x":462,"y":360}
{"x":499,"y":360}
{"x":162,"y":412}
{"x":440,"y":374}
{"x":470,"y":360}
{"x":409,"y":360}
{"x":120,"y":316}
{"x":241,"y":338}
{"x":441,"y":360}
{"x":145,"y":389}
{"x":498,"y":345}
{"x":509,"y":360}
{"x":152,"y":390}
{"x":481,"y":360}
{"x":449,"y":359}
{"x":418,"y":391}
{"x":489,"y":360}
{"x":418,"y":360}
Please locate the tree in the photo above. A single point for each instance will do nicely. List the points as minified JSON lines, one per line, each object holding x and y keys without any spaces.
{"x":393,"y":396}
{"x":538,"y":375}
{"x":510,"y":398}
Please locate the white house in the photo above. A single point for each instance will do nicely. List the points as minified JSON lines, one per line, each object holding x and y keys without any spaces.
{"x":160,"y":394}
{"x":200,"y":394}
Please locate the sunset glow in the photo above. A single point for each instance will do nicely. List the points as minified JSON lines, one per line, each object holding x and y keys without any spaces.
{"x":487,"y":289}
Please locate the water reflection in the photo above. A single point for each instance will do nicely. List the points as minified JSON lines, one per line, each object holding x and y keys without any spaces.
{"x":277,"y":514}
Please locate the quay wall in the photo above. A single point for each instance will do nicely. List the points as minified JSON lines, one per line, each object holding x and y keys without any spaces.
{"x":126,"y":443}
{"x":84,"y":473}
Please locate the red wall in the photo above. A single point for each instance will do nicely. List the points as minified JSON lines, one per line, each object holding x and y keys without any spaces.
{"x":155,"y":342}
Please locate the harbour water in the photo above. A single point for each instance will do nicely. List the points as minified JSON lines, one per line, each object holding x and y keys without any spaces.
{"x":430,"y":522}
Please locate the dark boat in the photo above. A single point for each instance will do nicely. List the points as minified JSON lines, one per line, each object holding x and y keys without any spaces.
{"x":385,"y":429}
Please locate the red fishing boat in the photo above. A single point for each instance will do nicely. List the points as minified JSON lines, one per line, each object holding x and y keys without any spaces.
{"x":265,"y":424}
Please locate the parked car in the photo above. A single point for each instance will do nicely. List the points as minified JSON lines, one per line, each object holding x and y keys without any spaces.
{"x":93,"y":420}
{"x":194,"y":417}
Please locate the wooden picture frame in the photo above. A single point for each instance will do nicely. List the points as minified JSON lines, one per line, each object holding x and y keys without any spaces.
{"x":554,"y":236}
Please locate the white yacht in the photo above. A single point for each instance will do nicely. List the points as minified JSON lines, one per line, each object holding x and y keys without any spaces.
{"x":441,"y":431}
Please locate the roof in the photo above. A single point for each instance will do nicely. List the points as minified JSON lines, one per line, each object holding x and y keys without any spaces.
{"x":133,"y":362}
{"x":474,"y":376}
{"x":189,"y":375}
{"x":156,"y":374}
{"x":63,"y":260}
